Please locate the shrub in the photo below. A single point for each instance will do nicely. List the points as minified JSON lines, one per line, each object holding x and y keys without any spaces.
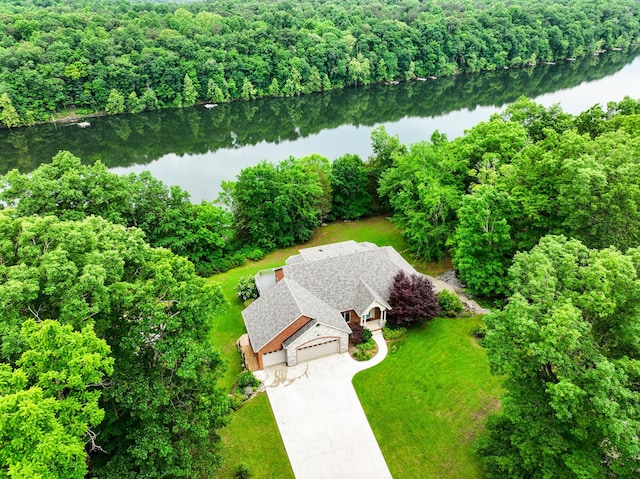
{"x":479,"y":333}
{"x":356,"y":335}
{"x":246,"y":288}
{"x":235,"y":401}
{"x":450,"y":304}
{"x":247,"y":379}
{"x":395,"y":333}
{"x":222,"y":265}
{"x":243,"y":472}
{"x":256,"y":254}
{"x":367,"y":335}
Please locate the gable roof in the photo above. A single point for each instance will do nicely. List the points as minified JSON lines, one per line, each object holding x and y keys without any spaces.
{"x":280,"y":306}
{"x":350,"y":281}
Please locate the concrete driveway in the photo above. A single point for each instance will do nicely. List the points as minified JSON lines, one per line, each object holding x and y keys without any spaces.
{"x":321,"y":421}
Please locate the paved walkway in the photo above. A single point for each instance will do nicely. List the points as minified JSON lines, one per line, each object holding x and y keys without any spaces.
{"x":324,"y":429}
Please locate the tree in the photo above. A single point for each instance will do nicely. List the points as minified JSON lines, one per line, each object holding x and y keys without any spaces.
{"x":567,"y":344}
{"x":115,"y":103}
{"x":412,"y":300}
{"x":49,"y":404}
{"x":148,"y":100}
{"x":351,"y":199}
{"x":162,"y":407}
{"x":189,"y":92}
{"x":214,"y":92}
{"x":133,"y":103}
{"x":425,"y":188}
{"x":276,"y":206}
{"x":9,"y":114}
{"x":482,"y":247}
{"x":385,"y":148}
{"x":248,"y":90}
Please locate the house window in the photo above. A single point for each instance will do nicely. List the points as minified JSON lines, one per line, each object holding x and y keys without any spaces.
{"x":346,"y":315}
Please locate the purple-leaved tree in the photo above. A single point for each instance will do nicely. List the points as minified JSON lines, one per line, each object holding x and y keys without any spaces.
{"x":412,"y":300}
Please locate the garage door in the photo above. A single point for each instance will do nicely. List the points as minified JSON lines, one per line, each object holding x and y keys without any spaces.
{"x":306,"y":353}
{"x":276,"y":357}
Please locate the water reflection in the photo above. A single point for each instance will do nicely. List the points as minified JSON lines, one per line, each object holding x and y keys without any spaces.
{"x":197,"y":148}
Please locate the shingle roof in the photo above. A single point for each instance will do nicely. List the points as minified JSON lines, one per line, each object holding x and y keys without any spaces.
{"x":320,"y":283}
{"x":281,"y":305}
{"x":338,"y":280}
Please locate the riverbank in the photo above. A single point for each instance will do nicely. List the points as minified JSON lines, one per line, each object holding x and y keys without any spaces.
{"x":79,"y":115}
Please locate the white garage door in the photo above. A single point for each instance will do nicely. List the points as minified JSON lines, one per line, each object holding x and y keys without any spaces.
{"x":306,"y":353}
{"x":276,"y":357}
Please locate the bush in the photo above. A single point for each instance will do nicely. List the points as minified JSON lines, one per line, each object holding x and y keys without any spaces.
{"x":243,"y":472}
{"x":365,"y":350}
{"x":450,"y":304}
{"x":246,"y":288}
{"x":479,"y":333}
{"x":222,"y":265}
{"x":247,"y":379}
{"x":367,"y":335}
{"x":356,"y":335}
{"x":395,"y":333}
{"x":255,"y":254}
{"x":235,"y":401}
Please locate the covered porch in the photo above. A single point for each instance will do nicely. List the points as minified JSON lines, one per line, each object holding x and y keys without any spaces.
{"x":375,"y":319}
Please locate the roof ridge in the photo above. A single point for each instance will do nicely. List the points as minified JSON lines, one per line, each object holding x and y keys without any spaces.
{"x":293,"y":294}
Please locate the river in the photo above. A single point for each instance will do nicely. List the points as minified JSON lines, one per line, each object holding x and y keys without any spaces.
{"x":197,"y":148}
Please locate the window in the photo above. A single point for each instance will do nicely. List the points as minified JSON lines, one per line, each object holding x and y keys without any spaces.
{"x":346,"y":315}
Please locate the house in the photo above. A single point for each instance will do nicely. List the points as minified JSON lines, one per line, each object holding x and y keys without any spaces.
{"x":306,"y":307}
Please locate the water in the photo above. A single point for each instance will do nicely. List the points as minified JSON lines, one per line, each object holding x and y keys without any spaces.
{"x":198,"y":148}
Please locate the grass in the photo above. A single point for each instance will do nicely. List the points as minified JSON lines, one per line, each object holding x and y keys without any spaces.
{"x":427,"y":401}
{"x":252,"y":437}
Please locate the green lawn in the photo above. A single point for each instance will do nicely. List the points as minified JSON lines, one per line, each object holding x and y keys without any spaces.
{"x":427,"y":401}
{"x":252,"y":436}
{"x":252,"y":439}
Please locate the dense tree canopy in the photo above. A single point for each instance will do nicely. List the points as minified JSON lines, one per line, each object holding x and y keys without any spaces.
{"x":161,"y":406}
{"x":71,"y":191}
{"x":94,"y":55}
{"x":568,"y":345}
{"x":510,"y":181}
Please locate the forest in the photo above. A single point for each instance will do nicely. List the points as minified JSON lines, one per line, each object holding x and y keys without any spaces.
{"x":88,"y":56}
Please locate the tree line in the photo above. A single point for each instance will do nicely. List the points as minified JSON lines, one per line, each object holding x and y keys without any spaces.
{"x":94,"y":55}
{"x":133,"y":139}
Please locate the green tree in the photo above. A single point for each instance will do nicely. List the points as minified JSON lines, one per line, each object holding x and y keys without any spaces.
{"x":349,"y":184}
{"x":148,"y":100}
{"x":9,"y":114}
{"x":134,"y":105}
{"x":482,"y":247}
{"x":189,"y":92}
{"x":567,"y":344}
{"x":274,"y":207}
{"x":248,"y":90}
{"x":214,"y":92}
{"x":49,"y":404}
{"x":115,"y":103}
{"x":162,"y":407}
